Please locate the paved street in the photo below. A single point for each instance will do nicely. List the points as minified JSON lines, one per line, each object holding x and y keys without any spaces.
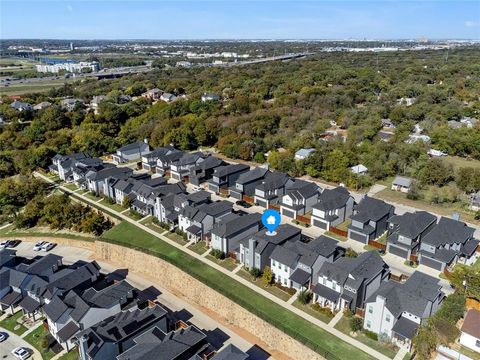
{"x":12,"y":342}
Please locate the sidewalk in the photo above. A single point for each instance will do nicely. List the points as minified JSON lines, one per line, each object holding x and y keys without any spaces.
{"x":236,"y":277}
{"x":336,"y":319}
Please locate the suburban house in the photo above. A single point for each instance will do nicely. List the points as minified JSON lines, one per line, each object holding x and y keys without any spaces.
{"x":152,"y":94}
{"x":122,"y":187}
{"x":11,"y":285}
{"x":229,"y":352}
{"x":98,"y":181}
{"x":62,"y":164}
{"x":168,"y":97}
{"x":207,"y":96}
{"x":110,"y":337}
{"x":149,"y":160}
{"x":255,"y":249}
{"x":42,"y":106}
{"x":475,"y":201}
{"x":157,"y":344}
{"x":164,"y":161}
{"x":396,"y":310}
{"x":401,"y":183}
{"x":302,"y":154}
{"x":369,"y":219}
{"x":21,"y":106}
{"x":449,"y":242}
{"x":202,"y":172}
{"x":198,"y":220}
{"x":333,"y":208}
{"x":225,"y":176}
{"x":70,"y":104}
{"x":96,"y":101}
{"x":227,"y":233}
{"x":272,"y":188}
{"x":69,"y":314}
{"x":295,"y":264}
{"x":359,"y":169}
{"x":144,"y":193}
{"x":80,"y":169}
{"x":246,"y":183}
{"x":299,"y":198}
{"x":406,"y":231}
{"x":470,"y":332}
{"x":180,"y":168}
{"x":131,"y":152}
{"x":348,"y":282}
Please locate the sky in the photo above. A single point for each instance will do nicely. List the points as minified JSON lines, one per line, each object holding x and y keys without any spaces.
{"x":247,"y":19}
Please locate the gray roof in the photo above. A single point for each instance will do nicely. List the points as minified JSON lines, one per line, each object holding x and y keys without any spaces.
{"x":326,"y":292}
{"x":300,"y":276}
{"x":68,"y":331}
{"x":133,"y":147}
{"x":371,"y":209}
{"x":230,"y":352}
{"x":110,"y":295}
{"x":255,"y":174}
{"x":108,"y":172}
{"x":405,"y":327}
{"x":230,"y":169}
{"x":54,"y":309}
{"x":332,"y":199}
{"x":11,"y":277}
{"x":45,"y":265}
{"x":448,"y":231}
{"x":402,"y":181}
{"x":303,"y":189}
{"x":285,"y":256}
{"x":229,"y":227}
{"x":284,"y":232}
{"x":273,"y":180}
{"x":412,"y":225}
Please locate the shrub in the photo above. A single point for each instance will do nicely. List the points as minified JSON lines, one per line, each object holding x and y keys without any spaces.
{"x":322,"y":310}
{"x":255,"y":272}
{"x":217,"y":254}
{"x":304,"y":297}
{"x":371,"y":335}
{"x":356,"y":324}
{"x":267,"y":276}
{"x":45,"y":344}
{"x":351,"y":253}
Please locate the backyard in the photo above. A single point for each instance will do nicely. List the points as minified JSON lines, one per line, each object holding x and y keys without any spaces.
{"x":36,"y":338}
{"x":10,"y":324}
{"x":318,"y":339}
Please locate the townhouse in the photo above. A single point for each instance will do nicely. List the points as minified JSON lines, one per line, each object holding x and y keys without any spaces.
{"x":228,"y":232}
{"x":396,"y":310}
{"x":244,"y":187}
{"x":225,"y":176}
{"x":198,"y":220}
{"x":98,"y":181}
{"x":164,"y":161}
{"x":255,"y":250}
{"x":348,"y":282}
{"x":333,"y":208}
{"x":406,"y":231}
{"x":299,"y":198}
{"x":272,"y":188}
{"x":122,"y":187}
{"x":369,"y":219}
{"x":62,"y":164}
{"x":180,"y":168}
{"x":80,"y":168}
{"x":449,"y":242}
{"x":294,"y":264}
{"x":203,"y":172}
{"x":131,"y":152}
{"x":149,"y":160}
{"x":143,"y":194}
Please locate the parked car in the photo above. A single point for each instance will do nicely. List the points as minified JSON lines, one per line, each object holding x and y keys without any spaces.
{"x":243,"y":204}
{"x":21,"y":353}
{"x":14,"y":243}
{"x":38,"y":245}
{"x":47,"y":246}
{"x":4,"y":244}
{"x":3,"y":336}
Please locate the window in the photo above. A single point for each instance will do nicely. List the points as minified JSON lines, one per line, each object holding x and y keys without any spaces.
{"x":273,"y":263}
{"x":370,"y":309}
{"x":387,"y":318}
{"x":333,"y":285}
{"x":285,"y":267}
{"x":324,"y":281}
{"x":369,"y":324}
{"x":477,"y":343}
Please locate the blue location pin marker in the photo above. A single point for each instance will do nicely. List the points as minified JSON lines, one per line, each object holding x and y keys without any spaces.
{"x":271,"y":219}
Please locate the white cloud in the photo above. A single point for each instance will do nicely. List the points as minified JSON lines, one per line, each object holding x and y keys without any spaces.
{"x":470,"y":23}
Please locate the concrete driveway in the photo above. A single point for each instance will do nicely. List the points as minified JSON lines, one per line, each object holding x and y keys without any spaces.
{"x":13,"y":341}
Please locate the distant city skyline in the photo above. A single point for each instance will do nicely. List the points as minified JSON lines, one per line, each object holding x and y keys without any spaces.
{"x":267,"y":19}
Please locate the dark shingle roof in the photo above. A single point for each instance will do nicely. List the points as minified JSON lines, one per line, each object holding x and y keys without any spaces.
{"x":230,"y":352}
{"x":371,"y":209}
{"x":412,"y":225}
{"x":255,"y":174}
{"x":331,"y":199}
{"x":448,"y":231}
{"x":228,"y":227}
{"x":230,"y":169}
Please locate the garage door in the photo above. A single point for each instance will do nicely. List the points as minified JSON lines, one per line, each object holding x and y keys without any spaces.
{"x":431,"y":263}
{"x":397,"y":251}
{"x":359,"y":237}
{"x":288,"y":213}
{"x":320,"y":224}
{"x":262,"y":203}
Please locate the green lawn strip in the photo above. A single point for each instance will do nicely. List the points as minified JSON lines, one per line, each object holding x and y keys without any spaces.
{"x":388,"y":350}
{"x":304,"y":331}
{"x":10,"y":324}
{"x":91,"y":196}
{"x":35,"y":338}
{"x":272,"y":289}
{"x":344,"y":225}
{"x":133,"y":215}
{"x":227,"y":263}
{"x":316,"y":314}
{"x":72,"y":355}
{"x":11,"y":232}
{"x":154,"y":227}
{"x":335,"y":236}
{"x":175,"y":237}
{"x":115,"y":207}
{"x":71,"y":186}
{"x":199,"y":247}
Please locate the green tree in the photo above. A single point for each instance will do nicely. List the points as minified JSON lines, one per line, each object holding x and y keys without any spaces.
{"x":267,"y":276}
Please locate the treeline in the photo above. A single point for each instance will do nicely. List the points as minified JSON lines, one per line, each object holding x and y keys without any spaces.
{"x":58,"y":212}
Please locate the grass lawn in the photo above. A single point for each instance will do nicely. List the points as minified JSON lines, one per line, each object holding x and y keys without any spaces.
{"x":344,"y":225}
{"x":70,"y":186}
{"x":89,"y":195}
{"x":318,"y":339}
{"x":35,"y":338}
{"x":311,"y":311}
{"x":154,"y":227}
{"x":272,"y":289}
{"x":21,"y":89}
{"x":371,"y":248}
{"x":114,"y":207}
{"x":11,"y":232}
{"x":344,"y":326}
{"x":335,"y":236}
{"x":10,"y":324}
{"x":199,"y":247}
{"x":227,"y":263}
{"x":442,"y":209}
{"x":133,"y":215}
{"x":175,"y":237}
{"x":459,"y":162}
{"x":72,"y":355}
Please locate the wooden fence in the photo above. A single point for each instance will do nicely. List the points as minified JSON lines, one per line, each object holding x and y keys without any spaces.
{"x":248,"y":199}
{"x":338,"y":231}
{"x":377,"y":245}
{"x":274,"y":207}
{"x":223,"y":192}
{"x":303,"y":219}
{"x":360,"y":312}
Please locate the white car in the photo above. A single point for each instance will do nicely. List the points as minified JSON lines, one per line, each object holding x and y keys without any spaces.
{"x":38,"y":245}
{"x":47,"y":246}
{"x":3,"y":336}
{"x":21,"y":353}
